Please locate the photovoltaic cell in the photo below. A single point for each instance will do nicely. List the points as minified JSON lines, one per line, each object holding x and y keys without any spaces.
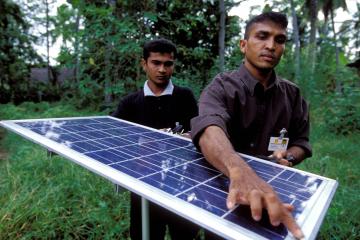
{"x":172,"y":167}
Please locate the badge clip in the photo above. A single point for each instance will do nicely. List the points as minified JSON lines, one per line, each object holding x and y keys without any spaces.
{"x":279,"y":143}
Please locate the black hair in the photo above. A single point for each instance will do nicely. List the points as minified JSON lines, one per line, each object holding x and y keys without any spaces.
{"x":160,"y":45}
{"x":278,"y":18}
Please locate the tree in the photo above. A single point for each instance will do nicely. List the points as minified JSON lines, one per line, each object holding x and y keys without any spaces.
{"x":328,"y":8}
{"x":16,"y":52}
{"x":350,"y":31}
{"x":222,"y":35}
{"x":312,"y":7}
{"x":296,"y":39}
{"x":194,"y":27}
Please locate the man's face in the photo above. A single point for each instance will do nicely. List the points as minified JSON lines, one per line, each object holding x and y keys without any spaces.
{"x":159,"y":67}
{"x":264,"y":47}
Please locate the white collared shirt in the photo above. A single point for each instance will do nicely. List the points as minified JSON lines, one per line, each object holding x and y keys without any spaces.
{"x":167,"y":91}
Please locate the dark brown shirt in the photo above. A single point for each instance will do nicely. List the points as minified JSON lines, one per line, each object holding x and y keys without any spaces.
{"x":249,"y":114}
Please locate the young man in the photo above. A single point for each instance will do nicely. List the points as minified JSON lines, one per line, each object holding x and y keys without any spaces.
{"x":240,"y":111}
{"x":160,"y":104}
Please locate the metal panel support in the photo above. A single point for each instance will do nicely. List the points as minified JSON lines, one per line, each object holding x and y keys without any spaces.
{"x":145,"y":219}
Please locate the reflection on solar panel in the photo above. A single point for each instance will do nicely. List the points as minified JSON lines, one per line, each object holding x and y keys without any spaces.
{"x":169,"y":171}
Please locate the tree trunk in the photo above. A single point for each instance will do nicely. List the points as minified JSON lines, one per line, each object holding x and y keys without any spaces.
{"x":312,"y":45}
{"x":76,"y":48}
{"x":296,"y":40}
{"x":338,"y":82}
{"x":108,"y":73}
{"x":47,"y":26}
{"x":222,"y":35}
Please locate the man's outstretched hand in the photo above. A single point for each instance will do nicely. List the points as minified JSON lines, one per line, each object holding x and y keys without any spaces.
{"x":248,"y":189}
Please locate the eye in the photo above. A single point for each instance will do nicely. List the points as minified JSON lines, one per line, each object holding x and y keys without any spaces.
{"x":261,"y":36}
{"x":156,"y":63}
{"x":280,"y":39}
{"x":169,"y":64}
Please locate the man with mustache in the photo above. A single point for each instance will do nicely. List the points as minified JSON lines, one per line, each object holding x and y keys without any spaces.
{"x":245,"y":110}
{"x":160,"y":104}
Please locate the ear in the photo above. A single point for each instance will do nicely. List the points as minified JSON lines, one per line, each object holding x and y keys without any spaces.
{"x":242,"y":45}
{"x":143,"y":64}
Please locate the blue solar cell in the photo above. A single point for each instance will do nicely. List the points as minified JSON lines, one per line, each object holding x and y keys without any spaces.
{"x":195,"y":172}
{"x":106,"y":120}
{"x":161,"y":146}
{"x":138,"y":138}
{"x":118,"y":132}
{"x":67,"y":137}
{"x":289,"y":188}
{"x":100,"y":126}
{"x":114,"y":142}
{"x":303,"y":179}
{"x":119,"y":124}
{"x":242,"y":216}
{"x":77,"y":128}
{"x":202,"y":162}
{"x":73,"y":122}
{"x":95,"y":134}
{"x":207,"y":198}
{"x":185,"y":154}
{"x":164,"y":161}
{"x":47,"y":130}
{"x":285,"y":175}
{"x":109,"y":156}
{"x":264,"y":168}
{"x":169,"y":182}
{"x":137,"y":168}
{"x":85,"y":146}
{"x":157,"y":135}
{"x":221,"y":183}
{"x":136,"y":151}
{"x":135,"y":129}
{"x":179,"y":142}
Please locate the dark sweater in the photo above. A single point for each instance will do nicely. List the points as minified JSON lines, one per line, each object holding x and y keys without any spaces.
{"x":159,"y":111}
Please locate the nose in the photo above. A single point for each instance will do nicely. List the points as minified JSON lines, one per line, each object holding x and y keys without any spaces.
{"x":270,"y":44}
{"x":162,"y":68}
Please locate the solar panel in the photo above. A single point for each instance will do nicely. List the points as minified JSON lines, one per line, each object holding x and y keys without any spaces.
{"x":169,"y":171}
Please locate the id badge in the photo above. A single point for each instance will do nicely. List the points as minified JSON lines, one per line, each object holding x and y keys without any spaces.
{"x":277,"y":143}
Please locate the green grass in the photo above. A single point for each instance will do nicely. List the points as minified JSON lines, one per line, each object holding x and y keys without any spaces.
{"x":42,"y":197}
{"x":338,"y":157}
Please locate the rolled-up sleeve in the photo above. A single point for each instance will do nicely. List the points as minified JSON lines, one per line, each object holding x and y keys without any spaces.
{"x":212,"y":110}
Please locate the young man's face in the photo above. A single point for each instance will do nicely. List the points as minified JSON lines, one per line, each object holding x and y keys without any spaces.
{"x":264,"y":47}
{"x":159,"y":67}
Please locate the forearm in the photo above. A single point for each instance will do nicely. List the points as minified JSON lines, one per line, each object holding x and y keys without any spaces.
{"x":218,"y":150}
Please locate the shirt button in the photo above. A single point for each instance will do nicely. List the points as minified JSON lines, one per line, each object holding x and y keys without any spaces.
{"x":252,"y":145}
{"x":159,"y":108}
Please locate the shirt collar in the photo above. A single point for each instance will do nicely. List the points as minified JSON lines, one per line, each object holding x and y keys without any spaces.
{"x":167,"y":91}
{"x":251,"y":82}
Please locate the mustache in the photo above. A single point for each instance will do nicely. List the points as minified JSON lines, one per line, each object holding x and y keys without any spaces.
{"x":267,"y":54}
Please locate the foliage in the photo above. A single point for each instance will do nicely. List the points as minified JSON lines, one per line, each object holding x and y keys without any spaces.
{"x":336,"y":157}
{"x":113,"y":35}
{"x":343,"y":115}
{"x":16,"y":51}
